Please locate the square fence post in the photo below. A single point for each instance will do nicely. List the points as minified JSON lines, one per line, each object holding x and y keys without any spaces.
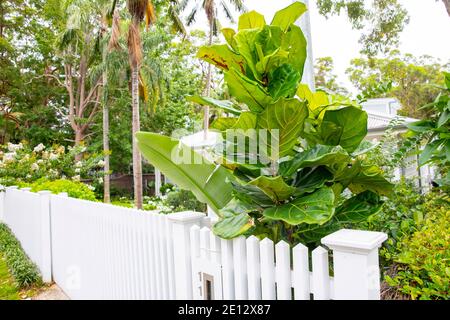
{"x":181,"y":226}
{"x":356,"y":265}
{"x":46,"y":255}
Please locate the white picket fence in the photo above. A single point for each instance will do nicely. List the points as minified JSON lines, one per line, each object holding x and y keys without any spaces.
{"x":99,"y":251}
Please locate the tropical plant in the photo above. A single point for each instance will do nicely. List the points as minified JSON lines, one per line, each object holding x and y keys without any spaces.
{"x":436,"y":133}
{"x":300,"y":152}
{"x":211,"y":9}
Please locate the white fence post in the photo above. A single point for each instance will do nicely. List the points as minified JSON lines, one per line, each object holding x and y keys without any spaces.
{"x":46,"y":264}
{"x":356,"y":266}
{"x":181,"y":225}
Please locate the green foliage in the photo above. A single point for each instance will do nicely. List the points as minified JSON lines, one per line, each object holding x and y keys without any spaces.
{"x":24,"y":271}
{"x":409,"y":79}
{"x":8,"y":289}
{"x":183,"y":200}
{"x":436,"y":132}
{"x":74,"y":189}
{"x":292,"y":186}
{"x":325,"y":77}
{"x":423,"y":271}
{"x":19,"y":163}
{"x":382,"y":21}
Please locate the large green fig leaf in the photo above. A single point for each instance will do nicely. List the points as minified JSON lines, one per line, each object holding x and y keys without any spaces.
{"x":274,"y":187}
{"x":316,"y":100}
{"x":309,"y":179}
{"x":353,"y":122}
{"x":287,"y":16}
{"x":283,"y":82}
{"x":235,"y":220}
{"x":223,"y":124}
{"x":359,"y":208}
{"x":251,"y":20}
{"x":245,"y":121}
{"x":227,"y":106}
{"x":247,"y":91}
{"x":319,"y":155}
{"x":315,"y":208}
{"x":288,"y":116}
{"x":359,"y":178}
{"x":209,"y":183}
{"x":295,"y":43}
{"x":251,"y":194}
{"x":222,"y":57}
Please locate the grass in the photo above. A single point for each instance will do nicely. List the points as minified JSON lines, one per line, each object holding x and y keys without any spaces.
{"x":8,"y":288}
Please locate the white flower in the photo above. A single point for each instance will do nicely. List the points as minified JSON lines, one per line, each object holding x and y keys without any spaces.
{"x":79,"y":164}
{"x":91,"y":187}
{"x":100,"y":180}
{"x":28,"y":176}
{"x":39,"y":148}
{"x":53,"y":156}
{"x":9,"y":157}
{"x":101,"y":163}
{"x":53,"y":172}
{"x":34,"y":167}
{"x":77,"y":170}
{"x":14,"y":147}
{"x":76,"y":178}
{"x":40,"y":161}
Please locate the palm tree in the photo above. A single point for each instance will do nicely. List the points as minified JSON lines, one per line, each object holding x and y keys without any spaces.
{"x":140,"y":10}
{"x":211,"y":9}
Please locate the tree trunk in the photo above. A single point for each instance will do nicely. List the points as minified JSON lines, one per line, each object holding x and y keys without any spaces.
{"x":78,"y":141}
{"x":208,"y":85}
{"x":447,"y":6}
{"x":137,"y":162}
{"x":106,"y":152}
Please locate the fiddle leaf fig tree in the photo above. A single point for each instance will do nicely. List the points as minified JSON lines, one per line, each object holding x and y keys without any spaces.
{"x":294,"y":158}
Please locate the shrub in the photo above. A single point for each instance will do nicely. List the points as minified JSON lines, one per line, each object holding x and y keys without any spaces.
{"x":74,"y":189}
{"x":423,"y":258}
{"x":19,"y":163}
{"x":22,"y":268}
{"x":183,"y":200}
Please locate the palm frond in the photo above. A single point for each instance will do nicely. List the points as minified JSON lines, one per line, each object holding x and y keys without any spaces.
{"x":190,"y":19}
{"x":150,"y":15}
{"x":227,"y":11}
{"x":239,"y":5}
{"x":137,"y":9}
{"x":134,"y":45}
{"x":177,"y":24}
{"x":216,"y":27}
{"x":182,"y":5}
{"x":114,"y":43}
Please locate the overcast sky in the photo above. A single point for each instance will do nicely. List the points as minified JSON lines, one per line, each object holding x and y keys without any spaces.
{"x":427,"y":33}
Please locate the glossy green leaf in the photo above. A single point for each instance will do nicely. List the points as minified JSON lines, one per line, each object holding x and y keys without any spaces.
{"x":287,"y":16}
{"x":359,"y":208}
{"x":227,"y":106}
{"x":247,"y":91}
{"x":229,"y":34}
{"x":251,"y":20}
{"x":235,"y":220}
{"x":223,"y":124}
{"x":315,"y":208}
{"x":251,"y":194}
{"x":209,"y":183}
{"x":319,"y":155}
{"x":274,"y":187}
{"x":316,"y":100}
{"x":371,"y":178}
{"x":288,"y":116}
{"x":222,"y":57}
{"x":364,"y":147}
{"x":283,"y":82}
{"x":430,"y":150}
{"x":308,"y":180}
{"x":353,"y":122}
{"x":295,"y":43}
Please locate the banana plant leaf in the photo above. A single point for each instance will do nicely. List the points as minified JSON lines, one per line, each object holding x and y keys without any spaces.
{"x":186,"y":168}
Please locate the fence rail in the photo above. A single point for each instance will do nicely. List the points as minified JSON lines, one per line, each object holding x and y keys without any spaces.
{"x":98,"y":251}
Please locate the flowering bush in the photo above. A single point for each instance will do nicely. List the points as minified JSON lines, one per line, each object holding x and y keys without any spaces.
{"x":20,"y":163}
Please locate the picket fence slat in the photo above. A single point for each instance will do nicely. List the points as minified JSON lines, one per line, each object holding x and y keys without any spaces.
{"x":321,"y":276}
{"x":283,"y":270}
{"x":253,"y":269}
{"x":240,"y":268}
{"x":300,"y":275}
{"x":267,"y":269}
